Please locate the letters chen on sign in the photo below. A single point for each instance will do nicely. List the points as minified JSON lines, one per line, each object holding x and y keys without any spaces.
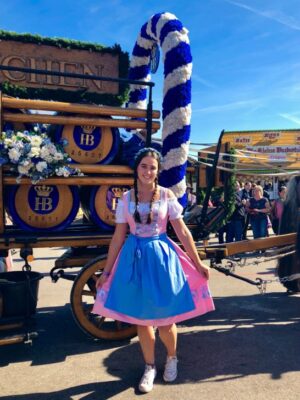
{"x":34,"y":56}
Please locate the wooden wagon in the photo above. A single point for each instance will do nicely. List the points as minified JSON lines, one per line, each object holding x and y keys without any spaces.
{"x":87,"y":245}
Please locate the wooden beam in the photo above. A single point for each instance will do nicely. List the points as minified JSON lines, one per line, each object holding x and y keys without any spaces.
{"x":73,"y":180}
{"x":79,"y":241}
{"x":76,"y":108}
{"x":103,"y":169}
{"x":248,"y":245}
{"x":67,"y":120}
{"x":8,"y":326}
{"x":95,"y":168}
{"x":12,"y":339}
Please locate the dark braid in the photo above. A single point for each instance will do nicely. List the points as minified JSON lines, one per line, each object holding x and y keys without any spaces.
{"x":150,"y":215}
{"x":136,"y":214}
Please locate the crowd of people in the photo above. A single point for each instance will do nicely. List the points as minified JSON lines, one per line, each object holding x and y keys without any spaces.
{"x":254,"y":208}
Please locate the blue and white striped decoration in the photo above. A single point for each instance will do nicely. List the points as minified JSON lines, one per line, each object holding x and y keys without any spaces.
{"x":168,"y":32}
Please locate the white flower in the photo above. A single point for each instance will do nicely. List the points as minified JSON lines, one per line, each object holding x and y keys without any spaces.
{"x":51,"y":148}
{"x":44,"y":152}
{"x":24,"y":169}
{"x":8,"y":142}
{"x":14,"y":154}
{"x":62,"y":171}
{"x":58,"y":156}
{"x":20,"y":134}
{"x":34,"y":152}
{"x":40,"y":166}
{"x":36,"y":141}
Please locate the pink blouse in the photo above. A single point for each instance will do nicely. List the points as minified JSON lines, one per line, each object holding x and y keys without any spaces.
{"x":163,"y":209}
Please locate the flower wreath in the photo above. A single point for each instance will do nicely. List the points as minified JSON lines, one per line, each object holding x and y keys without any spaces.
{"x":32,"y":154}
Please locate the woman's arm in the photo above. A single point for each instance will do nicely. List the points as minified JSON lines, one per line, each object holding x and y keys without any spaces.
{"x":265,"y":210}
{"x":186,"y":239}
{"x":115,"y":246}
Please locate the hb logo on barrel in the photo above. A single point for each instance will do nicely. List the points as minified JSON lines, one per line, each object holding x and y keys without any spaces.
{"x":87,"y":137}
{"x":88,"y":144}
{"x":43,"y":201}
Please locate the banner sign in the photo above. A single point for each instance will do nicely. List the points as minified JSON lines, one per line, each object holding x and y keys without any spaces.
{"x":45,"y":57}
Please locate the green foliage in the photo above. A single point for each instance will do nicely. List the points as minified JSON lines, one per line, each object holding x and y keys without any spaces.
{"x":79,"y":96}
{"x":228,"y":192}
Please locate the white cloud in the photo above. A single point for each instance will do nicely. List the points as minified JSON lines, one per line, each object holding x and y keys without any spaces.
{"x":229,"y":106}
{"x":270,"y":14}
{"x":291,"y":117}
{"x":204,"y":82}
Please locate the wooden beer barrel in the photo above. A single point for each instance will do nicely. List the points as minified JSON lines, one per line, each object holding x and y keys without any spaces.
{"x":41,"y":207}
{"x":89,"y":144}
{"x":99,"y":204}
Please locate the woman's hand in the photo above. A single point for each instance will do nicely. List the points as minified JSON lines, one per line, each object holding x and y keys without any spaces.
{"x":101,"y":280}
{"x":203,"y":269}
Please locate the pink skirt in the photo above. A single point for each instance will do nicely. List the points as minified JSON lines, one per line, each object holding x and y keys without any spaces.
{"x":198,"y":285}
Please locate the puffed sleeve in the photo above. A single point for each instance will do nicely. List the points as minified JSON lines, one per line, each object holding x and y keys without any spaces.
{"x":174,"y":209}
{"x":120,"y":215}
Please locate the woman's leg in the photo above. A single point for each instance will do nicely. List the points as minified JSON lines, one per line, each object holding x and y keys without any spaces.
{"x":168,"y":335}
{"x":264,"y":228}
{"x":255,"y":228}
{"x":147,"y":341}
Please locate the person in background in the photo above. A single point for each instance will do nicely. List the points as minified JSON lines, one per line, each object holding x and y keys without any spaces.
{"x":289,"y":266}
{"x":218,"y":201}
{"x":258,"y":208}
{"x":277,"y":209}
{"x":246,"y":193}
{"x":235,"y":226}
{"x":266,"y":194}
{"x":191,"y":197}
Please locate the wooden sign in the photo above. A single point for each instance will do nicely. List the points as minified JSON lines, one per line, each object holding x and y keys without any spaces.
{"x":52,"y":58}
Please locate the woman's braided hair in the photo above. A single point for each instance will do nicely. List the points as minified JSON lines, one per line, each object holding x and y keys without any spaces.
{"x":145,"y":152}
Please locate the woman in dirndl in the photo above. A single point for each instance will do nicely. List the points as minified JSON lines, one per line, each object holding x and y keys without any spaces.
{"x":148,"y":280}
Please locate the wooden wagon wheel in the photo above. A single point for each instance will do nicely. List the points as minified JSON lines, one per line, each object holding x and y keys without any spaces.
{"x":82,"y":299}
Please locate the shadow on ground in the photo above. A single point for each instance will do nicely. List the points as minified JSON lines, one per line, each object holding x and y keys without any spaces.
{"x":246,"y":335}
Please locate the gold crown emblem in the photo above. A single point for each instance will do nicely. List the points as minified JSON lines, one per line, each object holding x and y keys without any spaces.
{"x":88,"y":129}
{"x":117,"y":191}
{"x":43,"y":191}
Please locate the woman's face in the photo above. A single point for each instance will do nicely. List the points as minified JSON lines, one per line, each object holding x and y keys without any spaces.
{"x":257,"y":193}
{"x":147,"y":170}
{"x":282,"y":193}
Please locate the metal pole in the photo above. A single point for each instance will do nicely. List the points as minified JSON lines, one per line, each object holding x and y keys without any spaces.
{"x":74,"y":75}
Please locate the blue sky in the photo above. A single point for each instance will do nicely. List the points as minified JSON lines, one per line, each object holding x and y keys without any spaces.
{"x":246,"y":58}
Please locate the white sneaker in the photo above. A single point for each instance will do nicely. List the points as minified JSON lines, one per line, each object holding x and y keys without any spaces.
{"x":170,"y":373}
{"x":146,"y":382}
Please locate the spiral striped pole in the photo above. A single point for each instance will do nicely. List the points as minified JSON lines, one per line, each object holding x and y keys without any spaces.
{"x":168,"y":32}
